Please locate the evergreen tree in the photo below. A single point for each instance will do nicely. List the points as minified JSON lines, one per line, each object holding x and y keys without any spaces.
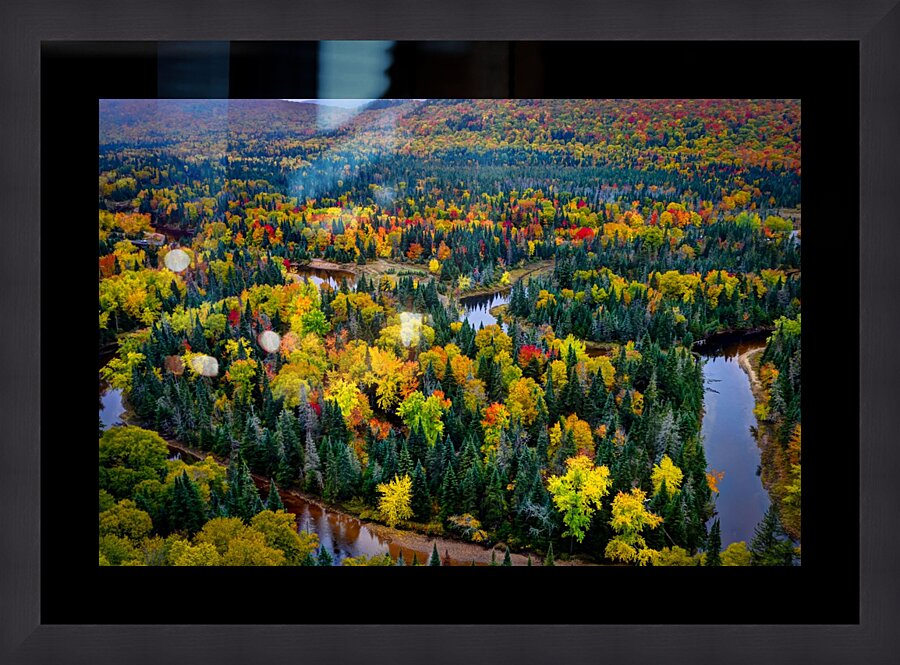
{"x":449,"y":494}
{"x":494,"y":506}
{"x":415,"y":560}
{"x":186,"y":511}
{"x":421,"y":498}
{"x":714,"y":546}
{"x":468,"y":490}
{"x":273,"y":502}
{"x":494,"y":558}
{"x":767,"y":547}
{"x":325,"y":558}
{"x":435,"y":559}
{"x":507,"y":559}
{"x":242,"y":498}
{"x":549,"y":560}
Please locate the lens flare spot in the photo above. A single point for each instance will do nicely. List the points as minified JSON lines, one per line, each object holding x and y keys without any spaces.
{"x":205,"y":365}
{"x":270,"y":341}
{"x":177,"y":260}
{"x":410,"y":328}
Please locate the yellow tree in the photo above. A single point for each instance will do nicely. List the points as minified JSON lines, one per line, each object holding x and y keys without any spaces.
{"x":629,"y":518}
{"x":395,"y":501}
{"x":578,"y":492}
{"x":668,"y":472}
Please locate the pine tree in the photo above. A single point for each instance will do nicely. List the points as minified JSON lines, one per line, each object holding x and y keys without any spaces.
{"x":404,"y":461}
{"x":325,"y":558}
{"x":529,"y":561}
{"x":507,"y":559}
{"x":494,"y":557}
{"x":273,"y":502}
{"x":714,"y":546}
{"x":312,"y":468}
{"x":415,"y":560}
{"x":767,"y":547}
{"x":242,"y":498}
{"x":421,"y":498}
{"x":468,"y":490}
{"x":186,"y":510}
{"x":494,"y":506}
{"x":400,"y":561}
{"x":549,"y":560}
{"x":417,"y":446}
{"x":435,"y":559}
{"x":449,"y":494}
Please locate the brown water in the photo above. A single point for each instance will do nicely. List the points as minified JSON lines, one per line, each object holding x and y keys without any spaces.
{"x":334,"y":278}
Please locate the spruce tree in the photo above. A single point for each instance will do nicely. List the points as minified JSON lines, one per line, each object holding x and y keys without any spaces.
{"x":325,"y":558}
{"x":415,"y":560}
{"x":449,"y":494}
{"x":549,"y":560}
{"x":767,"y":547}
{"x":186,"y":510}
{"x":714,"y":546}
{"x":507,"y":559}
{"x":421,"y":498}
{"x":435,"y":559}
{"x":273,"y":502}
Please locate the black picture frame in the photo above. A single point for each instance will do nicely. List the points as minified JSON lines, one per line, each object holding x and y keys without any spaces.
{"x":875,"y":26}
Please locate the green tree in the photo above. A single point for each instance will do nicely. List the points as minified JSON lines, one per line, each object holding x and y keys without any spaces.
{"x":129,"y":455}
{"x":125,"y":520}
{"x":769,"y":548}
{"x":280,"y":532}
{"x":185,"y":509}
{"x":273,"y":502}
{"x":714,"y":546}
{"x":421,"y":498}
{"x":435,"y":559}
{"x":325,"y":558}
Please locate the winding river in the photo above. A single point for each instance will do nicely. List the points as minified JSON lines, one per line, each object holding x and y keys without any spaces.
{"x":729,"y":444}
{"x":727,"y":437}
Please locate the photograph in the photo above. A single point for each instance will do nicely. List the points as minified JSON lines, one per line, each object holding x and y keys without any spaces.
{"x":449,"y":332}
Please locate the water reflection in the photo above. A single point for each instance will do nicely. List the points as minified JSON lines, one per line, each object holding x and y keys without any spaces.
{"x":477,"y":309}
{"x":728,"y":440}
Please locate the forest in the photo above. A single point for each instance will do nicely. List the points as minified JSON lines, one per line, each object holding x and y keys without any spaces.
{"x":623,"y":233}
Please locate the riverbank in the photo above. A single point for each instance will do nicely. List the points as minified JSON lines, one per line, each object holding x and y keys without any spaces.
{"x":515,"y":275}
{"x":774,"y":467}
{"x":749,"y":361}
{"x":460,"y":552}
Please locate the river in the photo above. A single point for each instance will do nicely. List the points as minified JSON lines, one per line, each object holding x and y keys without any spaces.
{"x":477,"y":309}
{"x":730,"y":447}
{"x":727,"y":437}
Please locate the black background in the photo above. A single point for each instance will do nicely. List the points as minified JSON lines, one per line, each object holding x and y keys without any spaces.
{"x":825,"y":589}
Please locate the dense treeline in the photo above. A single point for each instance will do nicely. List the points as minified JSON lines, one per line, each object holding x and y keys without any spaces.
{"x":661,"y":225}
{"x":778,"y":411}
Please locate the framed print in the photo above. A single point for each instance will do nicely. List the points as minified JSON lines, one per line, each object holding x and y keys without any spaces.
{"x":370,"y":301}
